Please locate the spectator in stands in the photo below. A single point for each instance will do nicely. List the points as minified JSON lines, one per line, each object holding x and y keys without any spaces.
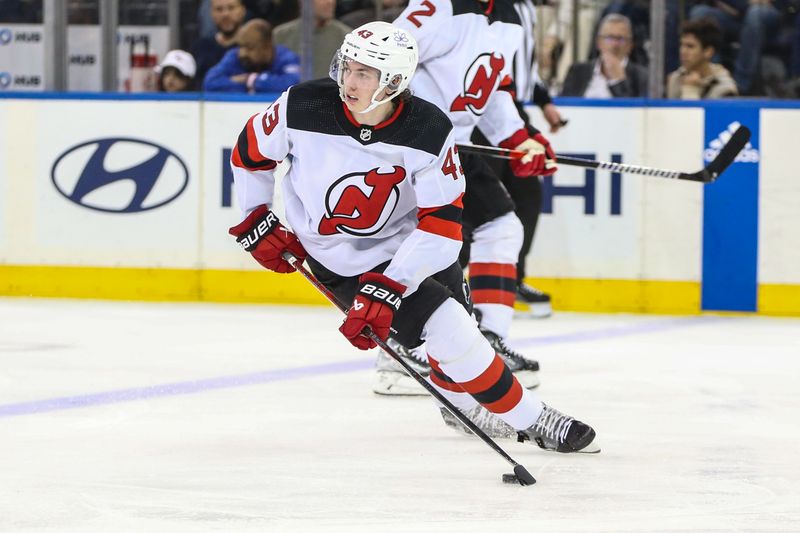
{"x":276,"y":12}
{"x":556,"y":35}
{"x":794,"y":65}
{"x":328,"y":36}
{"x":638,"y":11}
{"x":228,"y":16}
{"x":612,"y":75}
{"x":697,"y":76}
{"x":256,"y":65}
{"x":176,"y":72}
{"x":355,"y":13}
{"x":754,"y":23}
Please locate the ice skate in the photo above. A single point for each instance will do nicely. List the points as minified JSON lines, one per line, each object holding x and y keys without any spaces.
{"x":525,"y":370}
{"x":558,"y":432}
{"x":492,"y":425}
{"x":532,"y":303}
{"x":391,"y":379}
{"x":553,"y":430}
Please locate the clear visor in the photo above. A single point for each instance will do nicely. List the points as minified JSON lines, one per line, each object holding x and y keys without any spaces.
{"x":385,"y":79}
{"x":336,"y":69}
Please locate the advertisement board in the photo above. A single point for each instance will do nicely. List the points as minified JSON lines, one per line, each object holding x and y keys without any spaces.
{"x":21,"y":57}
{"x":22,"y":51}
{"x":139,"y":191}
{"x":100,"y":184}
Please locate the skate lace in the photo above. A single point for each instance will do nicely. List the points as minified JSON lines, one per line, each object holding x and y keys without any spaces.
{"x":530,"y":290}
{"x":508,"y":352}
{"x":553,"y":424}
{"x":415,"y":358}
{"x":417,"y":355}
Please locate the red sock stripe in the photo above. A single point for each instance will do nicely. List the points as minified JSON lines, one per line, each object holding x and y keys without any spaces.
{"x":503,"y":270}
{"x":508,"y":401}
{"x":493,"y":283}
{"x":440,"y":379}
{"x":493,"y":296}
{"x":488,"y":377}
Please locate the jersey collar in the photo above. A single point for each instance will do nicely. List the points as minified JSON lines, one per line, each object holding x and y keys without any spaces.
{"x":370,"y":134}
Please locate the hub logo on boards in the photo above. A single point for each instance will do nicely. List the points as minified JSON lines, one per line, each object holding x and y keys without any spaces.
{"x":119,"y":175}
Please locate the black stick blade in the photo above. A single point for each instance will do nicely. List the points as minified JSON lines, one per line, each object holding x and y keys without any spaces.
{"x":724,"y":158}
{"x":523,"y":476}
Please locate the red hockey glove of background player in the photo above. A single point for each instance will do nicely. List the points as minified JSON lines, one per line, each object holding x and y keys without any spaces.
{"x":262,"y":234}
{"x":539,"y":158}
{"x":375,"y":303}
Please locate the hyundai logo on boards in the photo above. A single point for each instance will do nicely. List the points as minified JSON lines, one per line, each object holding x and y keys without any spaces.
{"x":120,"y":175}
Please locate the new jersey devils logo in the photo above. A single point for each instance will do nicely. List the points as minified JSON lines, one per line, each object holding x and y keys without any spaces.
{"x":481,"y":79}
{"x":361,"y":203}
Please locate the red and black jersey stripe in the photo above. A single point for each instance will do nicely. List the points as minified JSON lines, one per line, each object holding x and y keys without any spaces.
{"x":443,"y":220}
{"x":245,"y":153}
{"x":493,"y":283}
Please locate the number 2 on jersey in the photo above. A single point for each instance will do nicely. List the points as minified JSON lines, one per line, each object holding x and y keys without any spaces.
{"x":412,"y":17}
{"x":449,"y":166}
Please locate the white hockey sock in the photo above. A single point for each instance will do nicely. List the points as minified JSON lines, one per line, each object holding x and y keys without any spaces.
{"x":496,"y":317}
{"x":493,"y":271}
{"x":462,"y":360}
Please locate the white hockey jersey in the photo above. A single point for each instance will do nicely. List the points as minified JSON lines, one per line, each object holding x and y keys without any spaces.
{"x":465,"y":56}
{"x":357,"y":196}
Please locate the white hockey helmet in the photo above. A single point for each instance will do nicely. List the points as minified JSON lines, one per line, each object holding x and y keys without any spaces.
{"x":382,"y":46}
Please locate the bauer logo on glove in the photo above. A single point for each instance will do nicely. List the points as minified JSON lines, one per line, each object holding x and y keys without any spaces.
{"x":263,"y":235}
{"x":381,"y":294}
{"x":249,"y":240}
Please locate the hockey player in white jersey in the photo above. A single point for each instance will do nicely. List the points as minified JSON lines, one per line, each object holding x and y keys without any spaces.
{"x":373,"y":195}
{"x":467,"y":49}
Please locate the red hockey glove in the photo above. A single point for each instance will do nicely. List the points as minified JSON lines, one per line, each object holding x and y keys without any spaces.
{"x":262,"y":234}
{"x":539,"y":158}
{"x":375,"y":303}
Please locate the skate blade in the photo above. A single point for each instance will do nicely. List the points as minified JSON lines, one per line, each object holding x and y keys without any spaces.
{"x":591,"y":448}
{"x":527,"y":378}
{"x":396,"y":384}
{"x":524,"y":310}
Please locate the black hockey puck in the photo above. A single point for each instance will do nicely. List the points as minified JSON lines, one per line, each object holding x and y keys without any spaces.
{"x":510,"y":478}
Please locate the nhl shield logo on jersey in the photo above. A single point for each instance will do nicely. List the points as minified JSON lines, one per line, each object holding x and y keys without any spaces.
{"x":361,"y":203}
{"x":366,"y":134}
{"x":481,"y":79}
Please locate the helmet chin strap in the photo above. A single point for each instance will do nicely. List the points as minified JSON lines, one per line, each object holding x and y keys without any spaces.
{"x":375,"y":103}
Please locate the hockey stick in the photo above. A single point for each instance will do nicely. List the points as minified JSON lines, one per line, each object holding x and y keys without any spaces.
{"x":522,"y":475}
{"x":708,"y":174}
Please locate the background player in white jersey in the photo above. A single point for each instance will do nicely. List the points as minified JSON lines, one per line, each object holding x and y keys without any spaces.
{"x":373,"y":194}
{"x":527,"y":193}
{"x":467,"y":48}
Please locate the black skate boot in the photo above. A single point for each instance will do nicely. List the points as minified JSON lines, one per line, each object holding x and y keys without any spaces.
{"x":536,"y":301}
{"x":525,"y":370}
{"x":558,"y":432}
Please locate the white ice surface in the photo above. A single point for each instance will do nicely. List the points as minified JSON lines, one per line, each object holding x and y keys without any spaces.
{"x":203,"y":427}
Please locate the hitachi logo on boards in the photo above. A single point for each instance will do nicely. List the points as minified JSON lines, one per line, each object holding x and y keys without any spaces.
{"x":82,"y":60}
{"x":28,"y":81}
{"x":27,"y":36}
